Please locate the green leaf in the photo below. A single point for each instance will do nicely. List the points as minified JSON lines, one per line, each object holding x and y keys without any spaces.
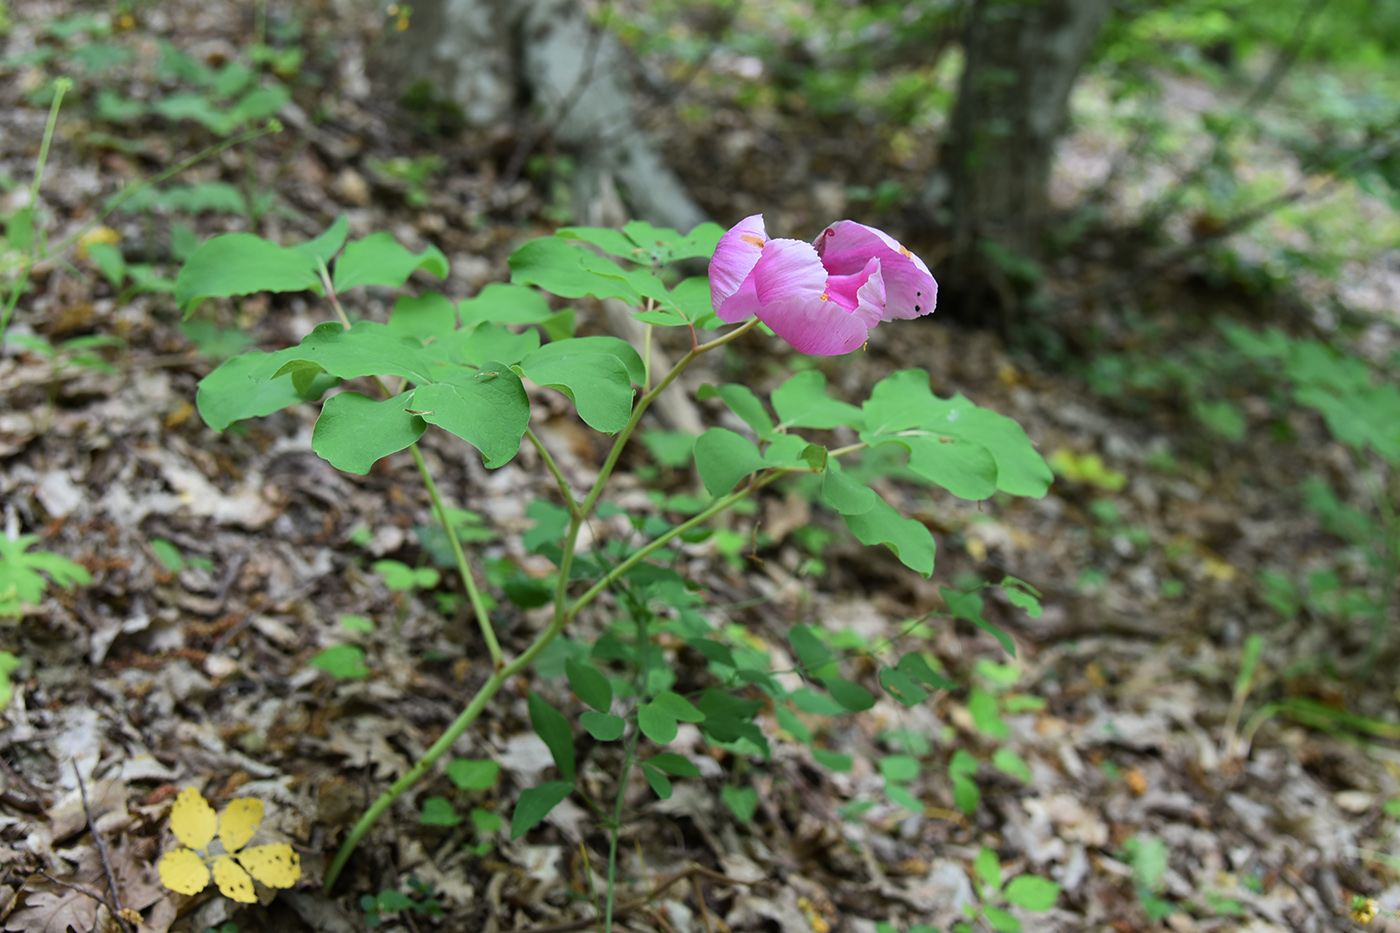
{"x":109,"y":261}
{"x":589,"y":684}
{"x":741,"y":401}
{"x":423,"y":318}
{"x":842,"y":495}
{"x":1008,"y":762}
{"x":916,"y":667}
{"x":488,"y":409}
{"x":367,"y":349}
{"x":741,"y":801}
{"x":354,"y":431}
{"x":910,"y":541}
{"x":969,"y":606}
{"x":473,"y":775}
{"x":850,"y":695}
{"x":241,"y":264}
{"x":244,"y":387}
{"x":658,"y":781}
{"x":966,"y":795}
{"x":327,"y":244}
{"x":901,"y":795}
{"x":899,"y":768}
{"x":379,"y":259}
{"x":1032,"y":892}
{"x":1001,"y":921}
{"x":613,"y":242}
{"x":572,"y":271}
{"x":343,"y":662}
{"x":168,"y":554}
{"x":802,"y":402}
{"x":662,"y":244}
{"x":657,"y":724}
{"x":597,"y":383}
{"x":553,"y":729}
{"x":982,"y":706}
{"x":485,"y":821}
{"x":962,"y":762}
{"x":535,"y":803}
{"x":605,"y":727}
{"x":503,"y":303}
{"x":988,"y":869}
{"x":1027,"y":599}
{"x":438,"y":811}
{"x":491,"y":343}
{"x":723,"y":458}
{"x":968,"y":450}
{"x":900,"y":401}
{"x":812,"y":654}
{"x":675,"y":764}
{"x":833,"y":760}
{"x":902,"y":687}
{"x":678,"y":706}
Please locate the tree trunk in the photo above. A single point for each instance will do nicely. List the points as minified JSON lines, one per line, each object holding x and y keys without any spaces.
{"x":493,"y":58}
{"x":1022,"y":59}
{"x":497,"y":58}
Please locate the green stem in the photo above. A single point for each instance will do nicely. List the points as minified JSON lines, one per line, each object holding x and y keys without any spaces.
{"x":617,"y":832}
{"x":562,"y":616}
{"x":642,"y":553}
{"x":483,"y":618}
{"x":439,"y":748}
{"x":553,"y":468}
{"x":586,"y":508}
{"x":31,"y":255}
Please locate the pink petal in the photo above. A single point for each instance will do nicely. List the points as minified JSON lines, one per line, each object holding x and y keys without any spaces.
{"x":846,"y":247}
{"x":735,"y":256}
{"x":862,"y":294}
{"x":790,"y":285}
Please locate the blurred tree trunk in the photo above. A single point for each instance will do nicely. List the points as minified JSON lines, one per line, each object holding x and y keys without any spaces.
{"x":543,"y":65}
{"x":1022,"y":59}
{"x":499,"y":60}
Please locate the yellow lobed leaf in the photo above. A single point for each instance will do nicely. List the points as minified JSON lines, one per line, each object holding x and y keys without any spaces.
{"x":276,"y":865}
{"x":233,"y":880}
{"x":238,"y":822}
{"x":192,"y":820}
{"x":183,"y":871}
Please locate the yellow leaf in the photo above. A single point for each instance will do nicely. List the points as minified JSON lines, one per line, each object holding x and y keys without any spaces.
{"x":96,"y":235}
{"x":276,"y":865}
{"x":239,"y":821}
{"x":1218,"y":569}
{"x":233,"y":880}
{"x":183,"y":871}
{"x":192,"y":820}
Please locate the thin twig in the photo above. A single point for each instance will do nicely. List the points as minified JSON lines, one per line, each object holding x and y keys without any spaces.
{"x":86,"y":893}
{"x":102,"y":851}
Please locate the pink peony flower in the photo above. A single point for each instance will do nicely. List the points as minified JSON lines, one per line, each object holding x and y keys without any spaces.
{"x":824,"y":297}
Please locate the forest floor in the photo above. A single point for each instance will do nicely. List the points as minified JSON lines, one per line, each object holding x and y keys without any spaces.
{"x":1151,"y":801}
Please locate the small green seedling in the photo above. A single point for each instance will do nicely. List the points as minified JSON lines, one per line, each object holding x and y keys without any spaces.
{"x":1029,"y":892}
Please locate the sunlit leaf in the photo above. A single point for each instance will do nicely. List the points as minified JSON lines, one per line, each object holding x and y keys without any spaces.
{"x":233,"y":881}
{"x":192,"y":820}
{"x":276,"y":865}
{"x":183,"y":871}
{"x":239,"y":821}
